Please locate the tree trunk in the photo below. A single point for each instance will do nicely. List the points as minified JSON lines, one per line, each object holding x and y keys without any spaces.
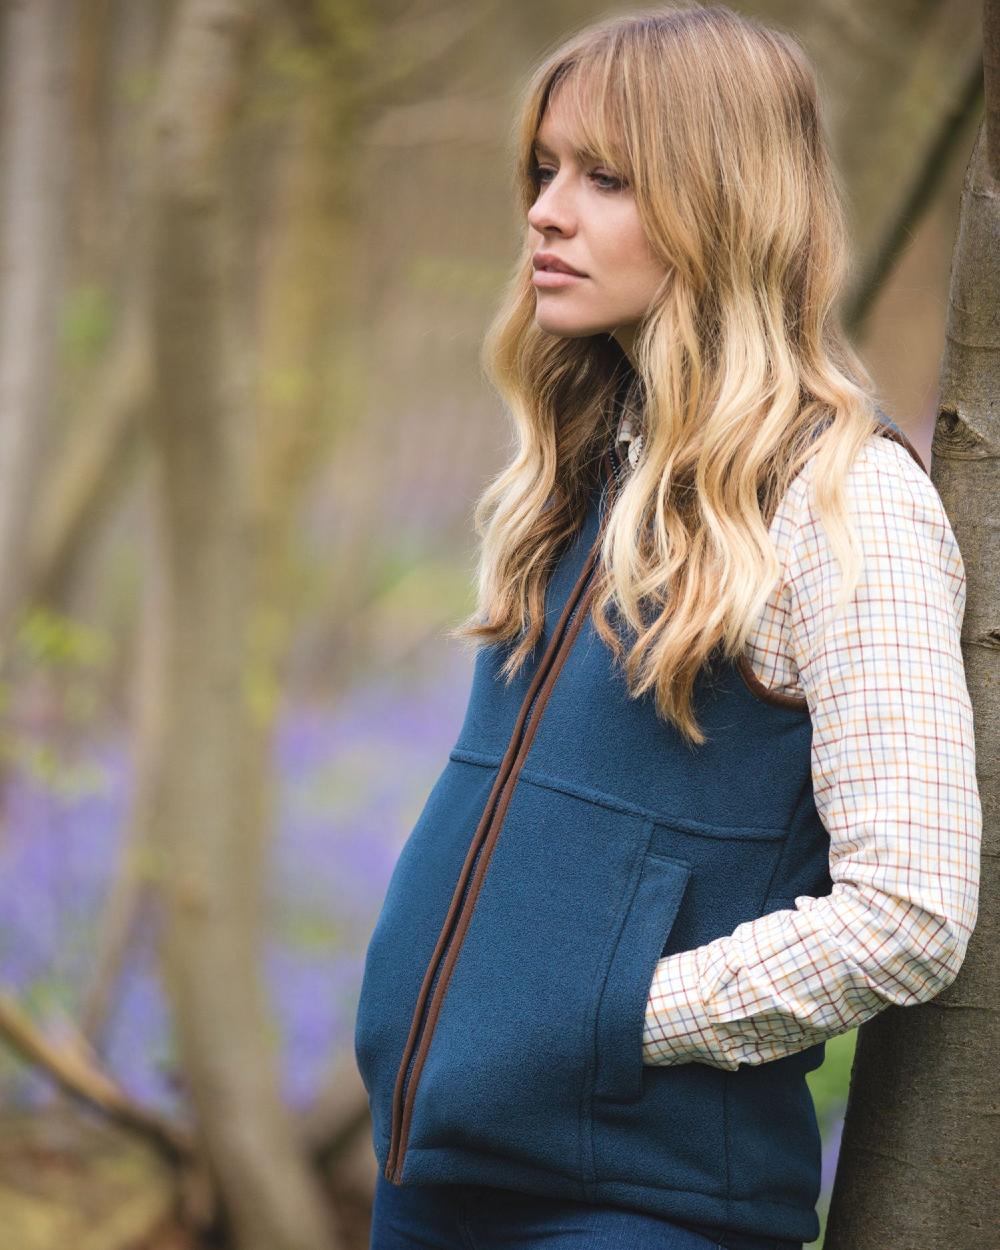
{"x":212,"y":859}
{"x":920,"y":1157}
{"x":31,"y":248}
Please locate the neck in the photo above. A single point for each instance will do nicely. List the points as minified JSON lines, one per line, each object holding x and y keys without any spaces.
{"x":625,"y":338}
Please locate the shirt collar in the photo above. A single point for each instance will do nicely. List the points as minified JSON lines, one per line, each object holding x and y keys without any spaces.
{"x":628,"y":437}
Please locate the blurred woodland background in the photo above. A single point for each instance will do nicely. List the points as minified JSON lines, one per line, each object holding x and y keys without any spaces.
{"x":249,"y":251}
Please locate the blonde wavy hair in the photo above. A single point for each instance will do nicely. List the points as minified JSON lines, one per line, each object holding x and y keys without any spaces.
{"x":712,"y":119}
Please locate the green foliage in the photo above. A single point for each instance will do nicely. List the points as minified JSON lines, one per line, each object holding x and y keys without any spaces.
{"x":267,"y":629}
{"x":335,"y":52}
{"x":137,"y":86}
{"x":285,"y":388}
{"x":51,"y":639}
{"x":85,"y":323}
{"x":350,"y":26}
{"x":75,"y":656}
{"x":312,"y":934}
{"x":828,"y":1083}
{"x":49,"y":997}
{"x":44,"y":763}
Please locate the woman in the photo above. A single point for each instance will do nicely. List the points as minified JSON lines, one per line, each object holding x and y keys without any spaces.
{"x":714,"y":799}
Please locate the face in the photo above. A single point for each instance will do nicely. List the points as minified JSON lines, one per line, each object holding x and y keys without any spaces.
{"x":586,"y":217}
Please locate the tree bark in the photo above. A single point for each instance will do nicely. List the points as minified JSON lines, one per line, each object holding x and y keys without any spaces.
{"x":920,"y":1155}
{"x":212,"y":857}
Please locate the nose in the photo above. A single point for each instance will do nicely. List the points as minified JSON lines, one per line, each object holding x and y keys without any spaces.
{"x":553,"y":209}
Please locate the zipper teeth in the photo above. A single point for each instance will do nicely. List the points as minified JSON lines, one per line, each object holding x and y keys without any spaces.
{"x":498,"y":800}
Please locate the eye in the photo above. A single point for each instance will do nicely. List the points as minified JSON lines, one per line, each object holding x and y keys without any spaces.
{"x":603,"y":181}
{"x":616,"y":184}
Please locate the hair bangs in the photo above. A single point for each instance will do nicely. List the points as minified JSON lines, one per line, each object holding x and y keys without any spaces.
{"x":591,"y":91}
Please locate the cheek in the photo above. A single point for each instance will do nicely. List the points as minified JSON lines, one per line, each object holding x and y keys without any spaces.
{"x":626,"y":253}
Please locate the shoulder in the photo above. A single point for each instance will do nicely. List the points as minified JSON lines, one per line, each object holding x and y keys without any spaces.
{"x":883,"y":471}
{"x":910,"y":562}
{"x":899,"y":523}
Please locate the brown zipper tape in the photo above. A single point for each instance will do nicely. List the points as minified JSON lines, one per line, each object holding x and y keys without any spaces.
{"x":490,"y":824}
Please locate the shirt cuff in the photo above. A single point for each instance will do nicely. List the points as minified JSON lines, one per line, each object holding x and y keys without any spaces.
{"x":677,"y":1028}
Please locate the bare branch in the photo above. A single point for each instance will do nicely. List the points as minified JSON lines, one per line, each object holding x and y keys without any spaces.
{"x":73,"y":1068}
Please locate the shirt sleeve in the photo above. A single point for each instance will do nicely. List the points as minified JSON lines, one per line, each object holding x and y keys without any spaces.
{"x":894,"y":782}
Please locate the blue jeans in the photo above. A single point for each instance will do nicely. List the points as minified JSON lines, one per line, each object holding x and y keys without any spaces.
{"x":478,"y":1217}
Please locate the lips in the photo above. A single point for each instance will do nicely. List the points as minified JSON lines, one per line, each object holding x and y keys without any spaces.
{"x":549,"y":263}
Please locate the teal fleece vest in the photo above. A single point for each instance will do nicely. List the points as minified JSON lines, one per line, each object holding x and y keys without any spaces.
{"x":571,"y":840}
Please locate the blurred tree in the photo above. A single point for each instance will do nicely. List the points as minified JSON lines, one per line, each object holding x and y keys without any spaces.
{"x":203,"y":819}
{"x":916,"y":66}
{"x":32,"y":248}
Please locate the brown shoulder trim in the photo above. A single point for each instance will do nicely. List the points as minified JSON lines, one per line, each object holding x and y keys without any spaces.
{"x":898,"y":436}
{"x":756,"y":687}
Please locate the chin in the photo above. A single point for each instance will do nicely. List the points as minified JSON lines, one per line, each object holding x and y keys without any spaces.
{"x":567,"y":327}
